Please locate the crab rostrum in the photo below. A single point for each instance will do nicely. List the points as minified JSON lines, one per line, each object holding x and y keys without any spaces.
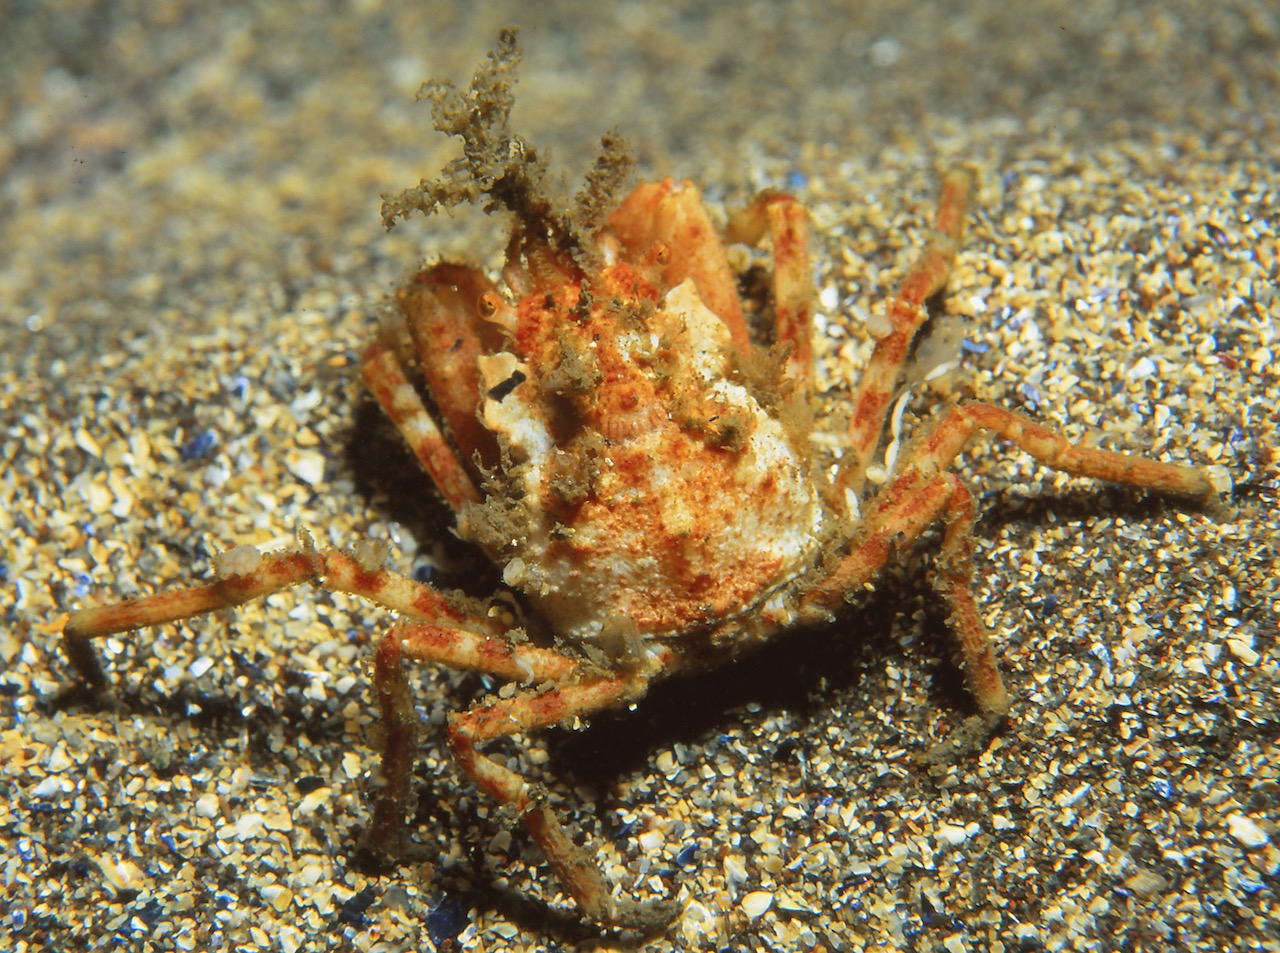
{"x":639,"y":466}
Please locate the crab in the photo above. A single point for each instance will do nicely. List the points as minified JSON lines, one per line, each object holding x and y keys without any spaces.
{"x":610,"y":431}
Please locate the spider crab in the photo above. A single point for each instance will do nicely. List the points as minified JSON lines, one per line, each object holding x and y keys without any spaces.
{"x":638,"y":465}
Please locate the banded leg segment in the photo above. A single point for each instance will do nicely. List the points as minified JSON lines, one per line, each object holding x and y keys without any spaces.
{"x":382,"y":844}
{"x":901,"y":522}
{"x":671,"y":214}
{"x":579,"y":873}
{"x":906,"y":312}
{"x":940,"y":445}
{"x":889,"y":526}
{"x":793,"y":291}
{"x":453,"y":313}
{"x":898,"y":523}
{"x":277,"y":571}
{"x":390,"y":386}
{"x":905,"y":507}
{"x":274,"y":572}
{"x":417,"y":600}
{"x":786,"y":222}
{"x":954,"y":582}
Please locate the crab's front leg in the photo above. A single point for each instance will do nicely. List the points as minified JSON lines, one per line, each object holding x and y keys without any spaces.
{"x":245,"y":575}
{"x":902,"y":512}
{"x":263,"y":575}
{"x":386,"y":379}
{"x":454,"y":315}
{"x":666,"y":222}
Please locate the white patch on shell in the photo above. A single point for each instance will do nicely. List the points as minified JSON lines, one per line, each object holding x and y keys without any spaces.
{"x":524,"y":426}
{"x":683,"y":313}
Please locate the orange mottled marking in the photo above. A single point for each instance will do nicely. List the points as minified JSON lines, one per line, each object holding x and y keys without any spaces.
{"x":390,"y":589}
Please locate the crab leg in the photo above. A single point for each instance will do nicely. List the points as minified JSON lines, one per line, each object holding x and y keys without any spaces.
{"x":387,"y":381}
{"x":452,"y":646}
{"x":276,"y":571}
{"x":787,"y":223}
{"x":344,"y":573}
{"x":580,"y":874}
{"x":954,"y":582}
{"x":925,"y":492}
{"x":901,"y":522}
{"x":910,"y":514}
{"x":906,"y":312}
{"x":884,"y":529}
{"x":941,"y":443}
{"x":793,"y":287}
{"x":904,"y":507}
{"x":453,"y":313}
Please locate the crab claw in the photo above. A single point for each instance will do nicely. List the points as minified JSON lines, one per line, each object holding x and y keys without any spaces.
{"x":671,"y":215}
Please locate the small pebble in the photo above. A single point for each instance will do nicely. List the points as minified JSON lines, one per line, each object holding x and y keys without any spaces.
{"x":247,"y":826}
{"x":208,"y":805}
{"x":1146,"y":883}
{"x":1243,"y":651}
{"x":307,"y":465}
{"x":279,"y":896}
{"x":756,"y":903}
{"x":1245,"y":830}
{"x":123,"y":874}
{"x":312,"y":800}
{"x":351,"y":765}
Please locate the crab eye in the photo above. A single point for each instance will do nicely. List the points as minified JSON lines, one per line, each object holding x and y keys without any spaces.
{"x":661,"y":253}
{"x":488,"y":304}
